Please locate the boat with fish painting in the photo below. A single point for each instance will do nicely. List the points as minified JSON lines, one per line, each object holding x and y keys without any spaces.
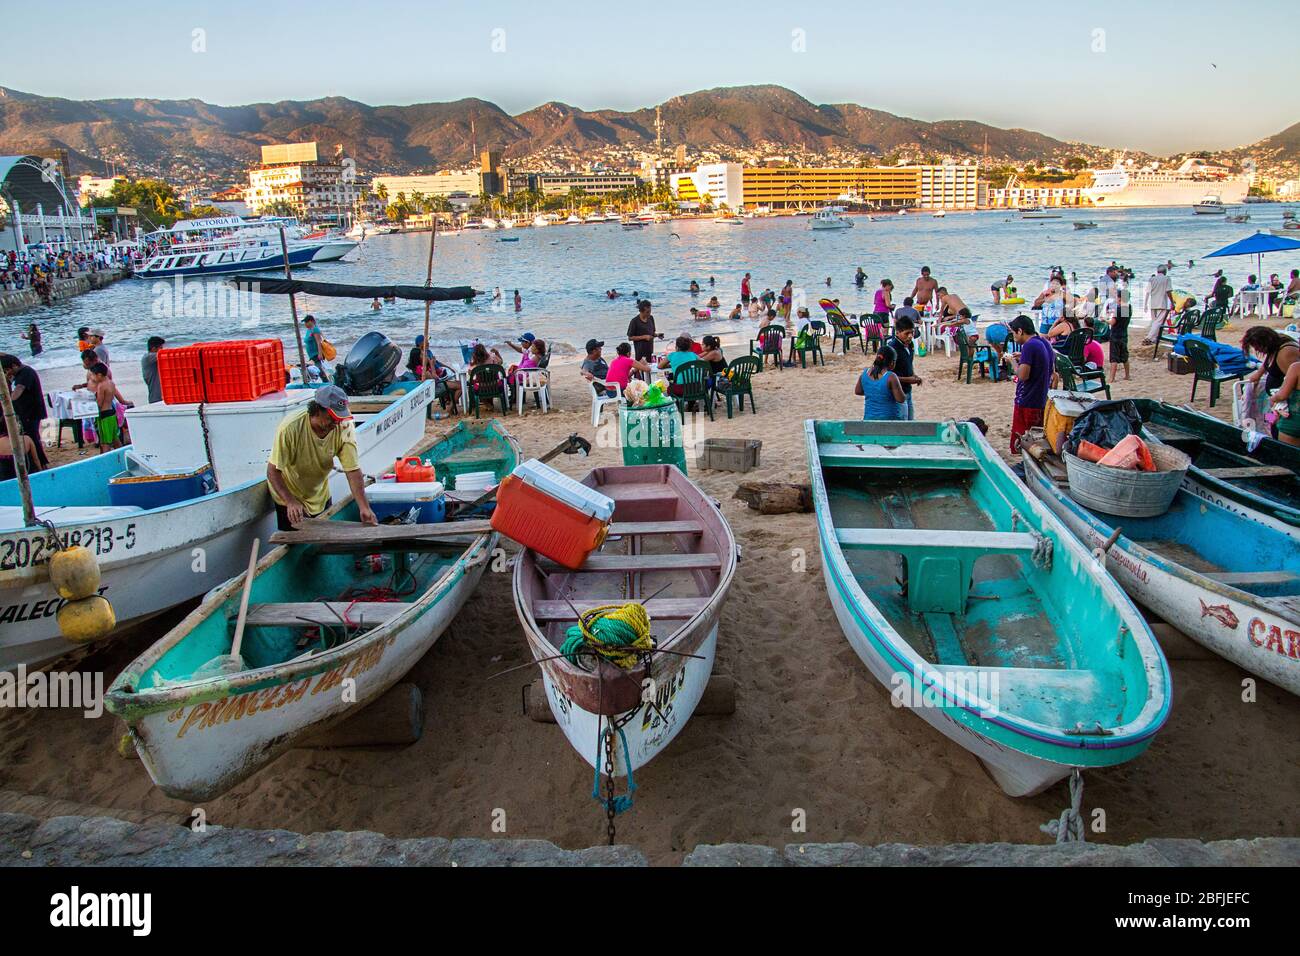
{"x":975,"y":606}
{"x":1230,"y":583}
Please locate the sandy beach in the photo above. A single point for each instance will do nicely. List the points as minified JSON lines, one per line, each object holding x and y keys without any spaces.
{"x":812,"y":731}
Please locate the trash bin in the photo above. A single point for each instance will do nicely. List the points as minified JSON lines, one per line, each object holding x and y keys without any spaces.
{"x":652,"y":436}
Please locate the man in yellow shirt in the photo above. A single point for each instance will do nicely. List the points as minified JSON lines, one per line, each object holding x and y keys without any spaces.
{"x":302,"y":459}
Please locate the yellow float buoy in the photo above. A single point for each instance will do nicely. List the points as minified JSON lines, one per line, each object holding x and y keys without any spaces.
{"x":86,"y":620}
{"x":74,"y":572}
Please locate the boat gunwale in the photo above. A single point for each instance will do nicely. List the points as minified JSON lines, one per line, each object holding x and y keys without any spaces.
{"x":1155,"y":709}
{"x":136,"y":703}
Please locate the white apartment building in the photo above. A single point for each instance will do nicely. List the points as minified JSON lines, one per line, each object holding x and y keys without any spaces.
{"x":949,"y":187}
{"x":723,"y":183}
{"x":317,"y":191}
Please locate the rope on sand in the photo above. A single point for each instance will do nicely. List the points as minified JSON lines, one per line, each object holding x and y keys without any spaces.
{"x":1069,"y":828}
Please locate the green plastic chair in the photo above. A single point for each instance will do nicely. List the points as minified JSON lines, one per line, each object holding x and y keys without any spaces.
{"x":844,"y":331}
{"x":1185,"y":325}
{"x":969,"y":356}
{"x":1211,"y":322}
{"x":812,"y":344}
{"x":488,"y":382}
{"x":690,"y":384}
{"x":738,"y":383}
{"x":1071,"y":382}
{"x":1075,"y":343}
{"x":1206,"y":369}
{"x":770,"y":341}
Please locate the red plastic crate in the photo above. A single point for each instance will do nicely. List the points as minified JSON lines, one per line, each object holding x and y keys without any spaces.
{"x":242,"y":371}
{"x":180,"y":372}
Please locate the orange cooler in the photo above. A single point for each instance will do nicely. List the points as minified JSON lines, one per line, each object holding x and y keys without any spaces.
{"x":547,"y":511}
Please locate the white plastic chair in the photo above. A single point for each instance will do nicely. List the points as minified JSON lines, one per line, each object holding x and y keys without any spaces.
{"x":534,"y":381}
{"x":599,"y":401}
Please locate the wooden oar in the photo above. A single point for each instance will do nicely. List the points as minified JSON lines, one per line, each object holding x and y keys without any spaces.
{"x":238,"y":643}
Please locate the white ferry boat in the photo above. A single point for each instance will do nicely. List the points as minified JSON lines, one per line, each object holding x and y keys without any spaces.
{"x":1118,"y":186}
{"x":830,"y":217}
{"x":225,"y":244}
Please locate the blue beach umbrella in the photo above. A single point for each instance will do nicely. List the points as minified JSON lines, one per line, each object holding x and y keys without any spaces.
{"x":1257,"y":245}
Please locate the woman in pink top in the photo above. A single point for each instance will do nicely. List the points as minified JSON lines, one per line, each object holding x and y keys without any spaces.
{"x":621,"y":369}
{"x":884,"y":302}
{"x":532,"y":358}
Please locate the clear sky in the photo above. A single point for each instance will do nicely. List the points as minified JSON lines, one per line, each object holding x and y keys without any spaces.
{"x":1147,"y":74}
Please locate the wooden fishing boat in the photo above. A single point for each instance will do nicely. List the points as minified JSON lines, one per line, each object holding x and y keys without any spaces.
{"x":667,"y":540}
{"x":329,"y":629}
{"x":1230,"y":583}
{"x":152,"y":559}
{"x":1261,"y":484}
{"x":999,"y":629}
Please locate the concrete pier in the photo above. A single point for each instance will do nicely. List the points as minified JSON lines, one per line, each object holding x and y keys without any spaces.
{"x":21,"y":300}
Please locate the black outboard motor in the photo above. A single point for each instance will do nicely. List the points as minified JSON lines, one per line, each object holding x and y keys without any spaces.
{"x":370,"y":365}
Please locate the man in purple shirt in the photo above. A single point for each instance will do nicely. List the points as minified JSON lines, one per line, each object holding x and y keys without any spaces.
{"x":1033,"y":378}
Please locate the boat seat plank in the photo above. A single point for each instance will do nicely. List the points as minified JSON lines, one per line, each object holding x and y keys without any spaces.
{"x":1255,"y":471}
{"x":656,"y":527}
{"x":661,"y":609}
{"x":1238,"y":578}
{"x":317,"y":531}
{"x":318,"y":613}
{"x":890,"y":539}
{"x":623,"y":563}
{"x":843,"y":454}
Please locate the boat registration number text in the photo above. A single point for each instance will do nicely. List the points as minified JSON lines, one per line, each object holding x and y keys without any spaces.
{"x":17,"y":553}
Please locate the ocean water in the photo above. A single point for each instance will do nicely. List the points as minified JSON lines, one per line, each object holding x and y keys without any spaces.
{"x":563,"y":272}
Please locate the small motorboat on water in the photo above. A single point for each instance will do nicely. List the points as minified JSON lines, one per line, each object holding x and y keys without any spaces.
{"x":1085,"y":225}
{"x":830,"y":217}
{"x":976,"y":607}
{"x":1210,"y":205}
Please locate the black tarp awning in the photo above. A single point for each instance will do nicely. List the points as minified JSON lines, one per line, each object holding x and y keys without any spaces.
{"x":338,"y":290}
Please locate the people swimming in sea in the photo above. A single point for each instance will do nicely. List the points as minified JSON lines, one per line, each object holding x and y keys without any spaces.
{"x":611,"y":293}
{"x":713,"y":302}
{"x":699,"y":314}
{"x":736,"y":313}
{"x":695,"y":287}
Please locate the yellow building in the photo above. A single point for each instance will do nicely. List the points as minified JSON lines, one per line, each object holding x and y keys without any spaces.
{"x":790,"y":187}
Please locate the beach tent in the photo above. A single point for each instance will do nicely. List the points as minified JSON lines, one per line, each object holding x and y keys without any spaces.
{"x":1257,"y":245}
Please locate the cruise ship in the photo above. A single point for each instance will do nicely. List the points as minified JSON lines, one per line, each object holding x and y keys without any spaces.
{"x":1118,"y":186}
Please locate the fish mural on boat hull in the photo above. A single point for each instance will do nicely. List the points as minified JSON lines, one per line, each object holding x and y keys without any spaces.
{"x":1221,"y":613}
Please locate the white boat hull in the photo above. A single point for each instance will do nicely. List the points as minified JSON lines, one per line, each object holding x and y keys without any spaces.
{"x":154,"y":560}
{"x":1018,"y":774}
{"x":202,"y":749}
{"x":334,"y":250}
{"x":647,"y":733}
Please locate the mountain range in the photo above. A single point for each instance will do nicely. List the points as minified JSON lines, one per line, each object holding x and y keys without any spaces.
{"x":180,"y":136}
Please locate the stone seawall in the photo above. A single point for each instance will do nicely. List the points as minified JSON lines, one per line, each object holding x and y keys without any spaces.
{"x":106,"y":841}
{"x":21,"y":300}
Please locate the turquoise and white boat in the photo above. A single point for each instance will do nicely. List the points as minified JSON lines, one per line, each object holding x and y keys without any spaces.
{"x":330,"y":627}
{"x":996,"y":626}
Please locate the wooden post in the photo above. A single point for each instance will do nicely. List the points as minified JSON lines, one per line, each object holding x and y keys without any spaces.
{"x":428,"y":281}
{"x":293,"y":308}
{"x":20,"y":451}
